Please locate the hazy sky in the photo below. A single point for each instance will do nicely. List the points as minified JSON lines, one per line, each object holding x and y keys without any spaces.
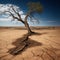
{"x":49,"y":17}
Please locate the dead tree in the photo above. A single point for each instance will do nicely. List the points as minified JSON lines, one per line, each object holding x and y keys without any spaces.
{"x":32,"y":8}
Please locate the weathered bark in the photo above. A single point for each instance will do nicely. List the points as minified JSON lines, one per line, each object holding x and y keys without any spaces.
{"x":26,"y":22}
{"x":28,"y":28}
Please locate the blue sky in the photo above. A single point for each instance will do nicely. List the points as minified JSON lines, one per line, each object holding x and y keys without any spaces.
{"x":49,"y":17}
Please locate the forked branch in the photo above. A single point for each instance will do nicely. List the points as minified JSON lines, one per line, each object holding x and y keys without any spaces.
{"x":12,"y":15}
{"x":16,"y":12}
{"x":15,"y":17}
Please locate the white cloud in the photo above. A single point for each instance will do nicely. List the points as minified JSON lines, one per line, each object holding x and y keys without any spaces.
{"x":7,"y":7}
{"x":22,"y":16}
{"x":20,"y":12}
{"x":6,"y":19}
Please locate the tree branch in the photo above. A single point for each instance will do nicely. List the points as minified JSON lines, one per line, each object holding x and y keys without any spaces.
{"x":36,"y":19}
{"x":28,"y":14}
{"x":16,"y":12}
{"x":20,"y":19}
{"x":12,"y":15}
{"x":15,"y":17}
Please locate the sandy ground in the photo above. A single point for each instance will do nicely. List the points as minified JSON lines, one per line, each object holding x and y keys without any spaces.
{"x":43,"y":46}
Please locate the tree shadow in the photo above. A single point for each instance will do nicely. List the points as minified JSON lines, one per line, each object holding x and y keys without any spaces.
{"x":21,"y":44}
{"x":36,"y":33}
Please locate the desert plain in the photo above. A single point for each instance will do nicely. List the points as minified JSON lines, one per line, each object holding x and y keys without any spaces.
{"x":42,"y":46}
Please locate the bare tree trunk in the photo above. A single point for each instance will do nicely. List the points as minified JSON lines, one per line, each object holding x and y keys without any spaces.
{"x":27,"y":27}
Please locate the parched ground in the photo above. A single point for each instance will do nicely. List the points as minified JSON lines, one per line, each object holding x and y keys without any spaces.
{"x":43,"y":46}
